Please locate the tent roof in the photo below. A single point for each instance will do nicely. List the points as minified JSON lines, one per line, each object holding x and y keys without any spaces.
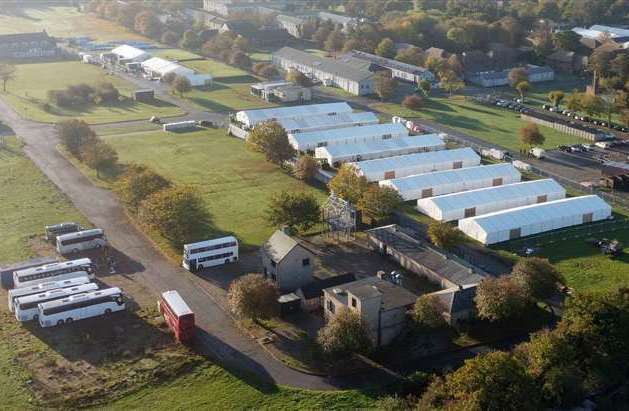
{"x":126,"y":52}
{"x":490,"y":195}
{"x":379,"y":146}
{"x":411,"y":160}
{"x":314,"y":137}
{"x":420,"y":181}
{"x":256,"y":116}
{"x":325,"y":120}
{"x":536,"y":213}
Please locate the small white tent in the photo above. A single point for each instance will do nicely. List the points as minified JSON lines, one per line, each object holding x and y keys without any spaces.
{"x":471,"y":203}
{"x":453,"y":181}
{"x":533,"y":219}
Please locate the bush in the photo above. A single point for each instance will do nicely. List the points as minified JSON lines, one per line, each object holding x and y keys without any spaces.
{"x":294,"y":210}
{"x":305,"y":168}
{"x":100,"y":156}
{"x":444,"y":235}
{"x":266,"y":70}
{"x":83,"y":94}
{"x":343,"y":335}
{"x":413,"y":102}
{"x":253,"y":296}
{"x":137,"y":183}
{"x":428,"y":312}
{"x":271,"y":139}
{"x":75,"y":135}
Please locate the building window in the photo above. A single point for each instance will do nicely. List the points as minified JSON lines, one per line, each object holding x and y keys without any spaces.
{"x":331,"y":306}
{"x":305,"y":262}
{"x":354,"y":302}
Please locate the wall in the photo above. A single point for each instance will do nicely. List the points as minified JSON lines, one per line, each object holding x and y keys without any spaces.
{"x":561,"y":127}
{"x":290,"y":272}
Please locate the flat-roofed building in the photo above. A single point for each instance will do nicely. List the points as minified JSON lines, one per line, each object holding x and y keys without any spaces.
{"x":359,"y":134}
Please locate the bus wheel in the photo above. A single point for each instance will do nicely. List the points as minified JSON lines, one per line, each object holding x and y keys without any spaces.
{"x":200,"y":267}
{"x":59,"y":322}
{"x":108,"y":311}
{"x":69,"y":320}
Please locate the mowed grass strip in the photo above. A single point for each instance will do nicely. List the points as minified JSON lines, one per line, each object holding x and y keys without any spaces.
{"x":235,"y":183}
{"x":491,"y":124}
{"x":28,"y":92}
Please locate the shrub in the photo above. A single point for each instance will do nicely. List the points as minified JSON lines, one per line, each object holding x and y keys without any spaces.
{"x":137,"y":183}
{"x":343,"y":335}
{"x":75,"y":135}
{"x":253,"y":296}
{"x":413,"y":102}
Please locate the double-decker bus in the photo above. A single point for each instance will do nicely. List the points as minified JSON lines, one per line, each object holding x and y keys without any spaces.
{"x":81,"y":306}
{"x":52,"y":231}
{"x":26,"y":308}
{"x":48,"y":271}
{"x":46,"y":286}
{"x":81,"y":240}
{"x":197,"y":256}
{"x":177,"y":314}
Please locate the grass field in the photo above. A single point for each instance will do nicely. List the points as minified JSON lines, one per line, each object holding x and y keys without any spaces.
{"x":174,"y":54}
{"x":235,"y":183}
{"x":63,"y":22}
{"x":487,"y":123}
{"x":29,"y":90}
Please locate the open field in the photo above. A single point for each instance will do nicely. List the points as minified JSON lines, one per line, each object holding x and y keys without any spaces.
{"x":491,"y":124}
{"x":64,"y":22}
{"x":28,"y":92}
{"x":235,"y":183}
{"x":174,"y":54}
{"x":539,"y":91}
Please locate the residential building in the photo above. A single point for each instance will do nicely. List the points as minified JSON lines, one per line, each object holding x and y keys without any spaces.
{"x":381,"y":305}
{"x":226,"y":7}
{"x":457,"y":303}
{"x":27,"y":46}
{"x":398,"y":69}
{"x":209,"y":20}
{"x":354,"y":80}
{"x":501,"y":78}
{"x":344,"y":21}
{"x":565,"y":61}
{"x":258,"y":36}
{"x":292,"y":24}
{"x":287,"y":262}
{"x":312,"y":294}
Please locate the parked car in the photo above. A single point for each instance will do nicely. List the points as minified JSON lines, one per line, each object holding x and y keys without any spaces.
{"x":205,"y":123}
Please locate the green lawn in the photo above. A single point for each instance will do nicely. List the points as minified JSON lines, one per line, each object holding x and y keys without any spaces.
{"x":175,"y":54}
{"x":64,"y":22}
{"x":214,"y":388}
{"x":235,"y":183}
{"x":217,"y":69}
{"x":28,"y":92}
{"x":488,"y":123}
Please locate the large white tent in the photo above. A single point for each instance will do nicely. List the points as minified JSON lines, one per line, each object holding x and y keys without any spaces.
{"x":533,"y":219}
{"x":342,"y":153}
{"x":471,"y":203}
{"x":130,"y":54}
{"x":453,"y":181}
{"x":418,"y":163}
{"x":327,"y":121}
{"x":358,"y":134}
{"x":159,"y":67}
{"x":252,"y":117}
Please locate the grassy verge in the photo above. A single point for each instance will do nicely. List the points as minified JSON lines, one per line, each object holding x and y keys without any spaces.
{"x":28,"y":94}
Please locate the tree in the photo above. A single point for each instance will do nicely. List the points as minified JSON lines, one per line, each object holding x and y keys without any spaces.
{"x":169,"y":78}
{"x":378,"y":203}
{"x":531,"y":136}
{"x":620,"y":65}
{"x":573,"y":101}
{"x":297,"y":77}
{"x":411,"y":55}
{"x":384,"y":85}
{"x":177,"y":213}
{"x":264,"y":69}
{"x":147,"y":23}
{"x":240,"y":59}
{"x":242,"y":44}
{"x":454,"y":63}
{"x":591,"y":104}
{"x":555,"y":97}
{"x":428,"y":312}
{"x":321,"y":35}
{"x":517,"y":75}
{"x":425,"y":86}
{"x":191,"y":40}
{"x":294,"y":210}
{"x":451,"y":82}
{"x":567,"y":40}
{"x":137,"y":184}
{"x":7,"y":73}
{"x":413,"y":102}
{"x":170,"y":37}
{"x":335,"y":41}
{"x":181,"y":85}
{"x":600,"y":61}
{"x":523,"y":87}
{"x":75,"y":135}
{"x":386,"y":48}
{"x":537,"y":277}
{"x":348,"y":185}
{"x":305,"y":168}
{"x":271,"y":139}
{"x":624,"y":117}
{"x":344,"y":335}
{"x":100,"y":156}
{"x":253,"y":296}
{"x":500,"y":298}
{"x":444,"y":235}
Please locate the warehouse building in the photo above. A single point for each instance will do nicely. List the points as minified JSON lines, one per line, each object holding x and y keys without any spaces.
{"x":159,"y":67}
{"x":533,"y":219}
{"x":399,"y":70}
{"x":129,"y":54}
{"x":354,"y":79}
{"x":249,"y":118}
{"x":419,"y":163}
{"x":472,"y":203}
{"x":28,"y":46}
{"x":378,"y":149}
{"x":359,"y":134}
{"x":326,"y":121}
{"x":453,"y":181}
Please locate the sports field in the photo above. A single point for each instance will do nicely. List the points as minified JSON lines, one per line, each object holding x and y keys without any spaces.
{"x":28,"y":94}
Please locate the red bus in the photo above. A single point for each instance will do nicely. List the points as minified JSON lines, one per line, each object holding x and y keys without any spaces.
{"x":177,"y":314}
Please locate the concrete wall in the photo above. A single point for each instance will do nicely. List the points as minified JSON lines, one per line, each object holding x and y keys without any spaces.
{"x":562,"y":127}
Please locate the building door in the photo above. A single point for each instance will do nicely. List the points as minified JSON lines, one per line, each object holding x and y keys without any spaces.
{"x":457,"y":164}
{"x":388,"y":175}
{"x":587,"y":218}
{"x":427,"y":192}
{"x":497,"y":181}
{"x":470,"y":212}
{"x":515,"y":233}
{"x":542,"y":199}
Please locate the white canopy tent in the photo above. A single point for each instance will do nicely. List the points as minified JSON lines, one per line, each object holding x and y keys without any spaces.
{"x":130,"y":54}
{"x":327,"y":121}
{"x":533,"y":219}
{"x":471,"y":203}
{"x":358,"y":134}
{"x":418,"y":163}
{"x":252,"y":117}
{"x":342,"y":153}
{"x":453,"y":181}
{"x":159,"y":67}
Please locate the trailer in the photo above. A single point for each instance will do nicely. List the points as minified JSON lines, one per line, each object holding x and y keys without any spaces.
{"x":181,"y":125}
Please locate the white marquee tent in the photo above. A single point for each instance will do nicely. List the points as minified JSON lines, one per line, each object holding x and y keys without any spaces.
{"x":252,"y":117}
{"x":533,"y":219}
{"x":358,"y":134}
{"x":453,"y":181}
{"x":326,"y":121}
{"x":418,"y":163}
{"x":130,"y":54}
{"x":159,"y":67}
{"x":378,"y":149}
{"x":472,"y":203}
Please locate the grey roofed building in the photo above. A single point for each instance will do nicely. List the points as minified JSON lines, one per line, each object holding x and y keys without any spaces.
{"x":458,"y":303}
{"x":393,"y":296}
{"x":312,"y":294}
{"x":27,"y":45}
{"x":343,"y":69}
{"x":286,"y":262}
{"x":404,"y":71}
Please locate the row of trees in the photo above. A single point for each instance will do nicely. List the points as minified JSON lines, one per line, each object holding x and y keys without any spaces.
{"x":80,"y":95}
{"x":83,"y":144}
